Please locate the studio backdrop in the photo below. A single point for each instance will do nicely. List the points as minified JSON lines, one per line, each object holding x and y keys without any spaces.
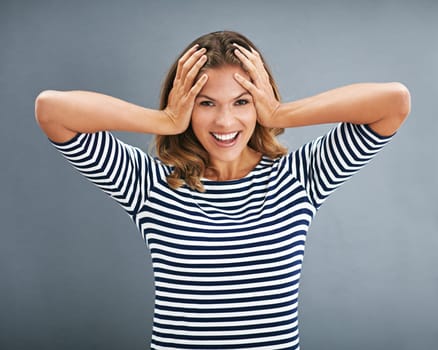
{"x":75,"y":273}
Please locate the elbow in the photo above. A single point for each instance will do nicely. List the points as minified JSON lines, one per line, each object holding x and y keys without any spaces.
{"x":43,"y":105}
{"x":401,"y":102}
{"x":396,"y":105}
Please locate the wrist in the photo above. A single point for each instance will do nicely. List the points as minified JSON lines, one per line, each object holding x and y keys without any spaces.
{"x":271,"y":119}
{"x":170,"y":124}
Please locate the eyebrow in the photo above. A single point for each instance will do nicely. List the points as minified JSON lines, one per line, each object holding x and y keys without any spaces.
{"x":212,"y":99}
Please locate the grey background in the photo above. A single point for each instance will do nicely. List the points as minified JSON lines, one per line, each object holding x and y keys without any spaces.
{"x":75,"y":273}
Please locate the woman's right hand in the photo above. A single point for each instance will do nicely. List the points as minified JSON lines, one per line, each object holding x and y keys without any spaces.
{"x":184,"y":91}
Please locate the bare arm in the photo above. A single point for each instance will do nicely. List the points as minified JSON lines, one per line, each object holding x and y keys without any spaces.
{"x":61,"y":115}
{"x":383,"y":106}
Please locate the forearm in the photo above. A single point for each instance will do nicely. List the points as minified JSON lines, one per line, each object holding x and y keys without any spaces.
{"x":66,"y":113}
{"x":383,"y":106}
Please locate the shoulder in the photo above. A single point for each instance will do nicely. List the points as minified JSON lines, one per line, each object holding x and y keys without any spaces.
{"x":274,"y":167}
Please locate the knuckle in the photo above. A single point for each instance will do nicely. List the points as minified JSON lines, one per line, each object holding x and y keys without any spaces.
{"x":184,"y":65}
{"x":201,"y":61}
{"x":176,"y":82}
{"x":190,"y":74}
{"x":181,"y":61}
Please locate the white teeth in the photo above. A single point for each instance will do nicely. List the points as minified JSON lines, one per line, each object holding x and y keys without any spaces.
{"x":225,"y":137}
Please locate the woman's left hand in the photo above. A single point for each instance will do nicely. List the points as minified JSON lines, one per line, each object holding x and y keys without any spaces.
{"x":260,"y":87}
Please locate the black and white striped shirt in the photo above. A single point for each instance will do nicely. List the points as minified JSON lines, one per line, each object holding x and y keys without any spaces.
{"x":226,"y":262}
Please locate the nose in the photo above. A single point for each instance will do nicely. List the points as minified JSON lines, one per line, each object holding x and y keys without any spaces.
{"x":225,"y":117}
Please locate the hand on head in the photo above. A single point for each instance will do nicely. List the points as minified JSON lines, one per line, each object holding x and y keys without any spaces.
{"x":185,"y":89}
{"x":259,"y":87}
{"x":185,"y":86}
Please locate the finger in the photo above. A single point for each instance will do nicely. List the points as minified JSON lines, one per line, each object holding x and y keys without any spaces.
{"x":260,"y":64}
{"x":193,"y":72}
{"x":190,"y":51}
{"x":197,"y":87}
{"x":254,"y":57}
{"x":187,"y":64}
{"x":246,"y":84}
{"x":184,"y":58}
{"x":258,"y":74}
{"x":243,"y":49}
{"x":249,"y":66}
{"x":255,"y":52}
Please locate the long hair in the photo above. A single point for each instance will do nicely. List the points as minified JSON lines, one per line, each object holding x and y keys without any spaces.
{"x":184,"y":152}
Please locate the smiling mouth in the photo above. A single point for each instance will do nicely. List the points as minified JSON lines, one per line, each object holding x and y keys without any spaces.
{"x":226,"y":138}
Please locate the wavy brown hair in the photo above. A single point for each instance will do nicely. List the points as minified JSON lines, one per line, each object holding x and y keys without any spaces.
{"x":183,"y":152}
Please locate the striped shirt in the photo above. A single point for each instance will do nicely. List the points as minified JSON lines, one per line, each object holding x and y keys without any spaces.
{"x":227,"y":261}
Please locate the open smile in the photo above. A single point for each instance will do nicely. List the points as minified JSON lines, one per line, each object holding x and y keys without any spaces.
{"x":225,"y":139}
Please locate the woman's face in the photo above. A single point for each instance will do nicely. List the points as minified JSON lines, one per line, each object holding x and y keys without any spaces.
{"x":224,"y":115}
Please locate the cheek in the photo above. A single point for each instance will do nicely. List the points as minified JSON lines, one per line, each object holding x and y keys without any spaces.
{"x":250,"y":115}
{"x":196,"y":116}
{"x":202,"y":115}
{"x":199,"y":122}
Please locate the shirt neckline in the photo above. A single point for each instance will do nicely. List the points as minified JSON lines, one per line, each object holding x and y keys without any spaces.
{"x":256,"y":168}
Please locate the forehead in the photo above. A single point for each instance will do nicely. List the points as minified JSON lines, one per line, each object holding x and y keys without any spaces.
{"x":221,"y":82}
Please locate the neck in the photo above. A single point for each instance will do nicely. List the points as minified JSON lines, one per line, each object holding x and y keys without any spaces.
{"x":235,"y":169}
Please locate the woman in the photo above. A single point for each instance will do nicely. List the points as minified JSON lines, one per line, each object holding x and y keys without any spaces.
{"x":224,"y":209}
